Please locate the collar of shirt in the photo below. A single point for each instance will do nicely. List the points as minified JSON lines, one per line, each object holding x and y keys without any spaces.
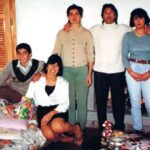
{"x":24,"y":69}
{"x":109,"y":26}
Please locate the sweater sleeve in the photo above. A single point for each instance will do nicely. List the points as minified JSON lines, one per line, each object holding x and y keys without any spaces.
{"x":125,"y":50}
{"x":41,"y":66}
{"x":90,"y":47}
{"x":5,"y":74}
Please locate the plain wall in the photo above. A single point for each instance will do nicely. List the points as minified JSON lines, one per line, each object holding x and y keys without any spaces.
{"x":38,"y":21}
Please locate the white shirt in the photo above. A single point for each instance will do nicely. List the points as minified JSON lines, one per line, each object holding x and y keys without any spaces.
{"x":60,"y":95}
{"x":24,"y":69}
{"x":108,"y":45}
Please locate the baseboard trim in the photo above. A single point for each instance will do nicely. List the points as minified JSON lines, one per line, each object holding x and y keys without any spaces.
{"x":92,"y":120}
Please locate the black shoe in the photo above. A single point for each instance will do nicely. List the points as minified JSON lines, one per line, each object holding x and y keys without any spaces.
{"x":140,"y":132}
{"x":143,"y":109}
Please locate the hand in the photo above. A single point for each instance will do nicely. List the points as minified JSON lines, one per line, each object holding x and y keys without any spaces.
{"x":136,"y":76}
{"x":67,"y":27}
{"x":89,"y":80}
{"x":145,"y":76}
{"x":36,"y":77}
{"x":47,"y":118}
{"x":147,"y":29}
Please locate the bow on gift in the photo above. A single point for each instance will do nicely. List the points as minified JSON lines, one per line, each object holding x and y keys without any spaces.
{"x":107,"y":129}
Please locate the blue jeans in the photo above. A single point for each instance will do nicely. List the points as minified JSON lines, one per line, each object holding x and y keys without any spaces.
{"x":137,"y":91}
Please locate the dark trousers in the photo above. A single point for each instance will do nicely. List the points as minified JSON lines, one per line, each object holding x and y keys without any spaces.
{"x":9,"y":94}
{"x":116,"y":83}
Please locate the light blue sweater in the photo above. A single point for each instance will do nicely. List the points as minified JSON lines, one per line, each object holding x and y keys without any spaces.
{"x":137,"y":47}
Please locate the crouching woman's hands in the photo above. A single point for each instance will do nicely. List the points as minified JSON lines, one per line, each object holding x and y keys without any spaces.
{"x":48,"y":117}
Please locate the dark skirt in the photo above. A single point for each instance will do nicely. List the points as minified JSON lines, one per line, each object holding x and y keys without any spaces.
{"x":41,"y":111}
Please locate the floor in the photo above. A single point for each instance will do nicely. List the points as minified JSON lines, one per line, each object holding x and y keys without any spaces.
{"x":91,"y":142}
{"x":91,"y":137}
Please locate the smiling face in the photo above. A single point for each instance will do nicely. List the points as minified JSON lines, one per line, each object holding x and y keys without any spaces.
{"x":109,"y":15}
{"x":52,"y":69}
{"x":23,"y":56}
{"x":74,"y":16}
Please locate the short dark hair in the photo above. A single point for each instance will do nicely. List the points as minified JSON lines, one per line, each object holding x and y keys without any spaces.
{"x":114,"y":9}
{"x":25,"y":46}
{"x":55,"y":58}
{"x":141,"y":13}
{"x":74,"y":6}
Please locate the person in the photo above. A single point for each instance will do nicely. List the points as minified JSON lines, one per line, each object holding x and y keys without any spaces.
{"x":51,"y":96}
{"x":17,"y":74}
{"x":76,"y":50}
{"x":136,"y":59}
{"x":108,"y":67}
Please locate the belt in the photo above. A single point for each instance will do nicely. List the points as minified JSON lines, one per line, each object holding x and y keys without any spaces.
{"x":140,"y":61}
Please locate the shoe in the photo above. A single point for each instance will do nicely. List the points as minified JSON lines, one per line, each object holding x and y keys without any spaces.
{"x":120,"y":128}
{"x":140,"y":132}
{"x":143,"y":109}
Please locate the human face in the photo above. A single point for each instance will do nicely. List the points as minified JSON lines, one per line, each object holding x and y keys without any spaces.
{"x":109,"y":16}
{"x":74,"y":16}
{"x":139,"y":22}
{"x":23,"y":56}
{"x":53,"y":69}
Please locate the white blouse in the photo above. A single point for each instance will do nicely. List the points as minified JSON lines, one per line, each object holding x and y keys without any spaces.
{"x":60,"y":95}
